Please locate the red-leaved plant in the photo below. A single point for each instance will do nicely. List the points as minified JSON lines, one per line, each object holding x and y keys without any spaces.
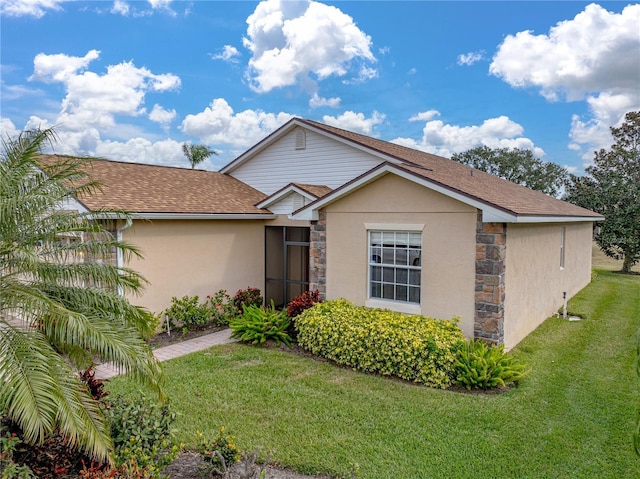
{"x":247,"y":297}
{"x":302,"y":302}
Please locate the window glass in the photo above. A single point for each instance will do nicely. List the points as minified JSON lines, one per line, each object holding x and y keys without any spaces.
{"x":395,"y":267}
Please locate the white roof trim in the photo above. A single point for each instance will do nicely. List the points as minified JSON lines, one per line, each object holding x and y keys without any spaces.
{"x":282,"y":193}
{"x":490,"y":214}
{"x":190,"y":216}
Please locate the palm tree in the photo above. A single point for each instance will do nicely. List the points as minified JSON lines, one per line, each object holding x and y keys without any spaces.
{"x":58,"y":314}
{"x":196,"y":154}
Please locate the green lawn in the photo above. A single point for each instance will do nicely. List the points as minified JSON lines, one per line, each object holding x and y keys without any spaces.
{"x":573,"y":416}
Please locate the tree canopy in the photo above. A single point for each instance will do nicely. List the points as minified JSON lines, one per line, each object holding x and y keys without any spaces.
{"x":196,"y":154}
{"x":516,"y":165}
{"x":60,"y":311}
{"x":611,"y":187}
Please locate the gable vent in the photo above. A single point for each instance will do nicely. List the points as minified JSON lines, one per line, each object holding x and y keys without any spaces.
{"x":301,"y":140}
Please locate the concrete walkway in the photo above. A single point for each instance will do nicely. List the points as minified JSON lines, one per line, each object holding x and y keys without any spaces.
{"x":105,"y":371}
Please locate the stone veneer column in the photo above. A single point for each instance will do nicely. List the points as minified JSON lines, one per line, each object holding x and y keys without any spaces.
{"x":491,"y":244}
{"x":318,"y":255}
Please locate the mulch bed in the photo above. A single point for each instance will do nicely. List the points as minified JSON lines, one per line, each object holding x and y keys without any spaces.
{"x":163,"y":339}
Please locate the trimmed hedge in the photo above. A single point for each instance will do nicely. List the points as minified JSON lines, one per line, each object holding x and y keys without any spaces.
{"x":415,"y":348}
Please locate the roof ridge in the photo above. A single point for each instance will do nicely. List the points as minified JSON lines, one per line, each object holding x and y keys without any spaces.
{"x":124,"y":162}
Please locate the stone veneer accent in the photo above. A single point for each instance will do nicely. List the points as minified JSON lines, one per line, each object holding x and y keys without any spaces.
{"x":491,"y":245}
{"x":318,"y":255}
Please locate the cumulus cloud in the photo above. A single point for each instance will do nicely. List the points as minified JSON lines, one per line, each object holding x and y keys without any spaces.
{"x":60,"y":67}
{"x":594,"y":57}
{"x":140,"y":150}
{"x":29,"y":8}
{"x":162,"y":116}
{"x":7,"y":128}
{"x":445,"y":139}
{"x":91,"y":99}
{"x":229,"y":54}
{"x":357,"y":122}
{"x":219,"y":124}
{"x":317,"y":101}
{"x":468,"y":59}
{"x":291,"y":40}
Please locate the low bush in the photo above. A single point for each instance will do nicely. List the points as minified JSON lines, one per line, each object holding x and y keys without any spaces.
{"x":483,"y":366}
{"x":221,"y":307}
{"x":189,"y":313}
{"x":297,"y":305}
{"x":257,"y":325}
{"x":302,"y":302}
{"x":8,"y":468}
{"x":219,"y":453}
{"x":415,"y":348}
{"x":247,"y":297}
{"x":141,"y":430}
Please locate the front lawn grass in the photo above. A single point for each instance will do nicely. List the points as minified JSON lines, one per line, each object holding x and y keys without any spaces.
{"x":573,"y":416}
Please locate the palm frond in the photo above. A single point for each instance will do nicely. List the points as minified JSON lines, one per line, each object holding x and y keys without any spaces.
{"x":57,"y":283}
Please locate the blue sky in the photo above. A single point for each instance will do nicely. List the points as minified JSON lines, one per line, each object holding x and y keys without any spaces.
{"x":132,"y":80}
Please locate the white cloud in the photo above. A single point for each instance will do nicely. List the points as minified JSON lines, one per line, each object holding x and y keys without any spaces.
{"x":160,"y":3}
{"x":219,"y":124}
{"x":32,"y":8}
{"x":140,"y":150}
{"x":120,"y":7}
{"x":60,"y":67}
{"x":92,"y":100}
{"x":291,"y":40}
{"x":470,"y":58}
{"x":7,"y":129}
{"x":316,"y":101}
{"x":425,"y":115}
{"x":594,"y":57}
{"x":445,"y":140}
{"x":356,"y":122}
{"x":162,"y":116}
{"x":229,"y":54}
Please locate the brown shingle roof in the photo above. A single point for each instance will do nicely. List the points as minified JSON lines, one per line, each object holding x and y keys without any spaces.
{"x":454,"y":176}
{"x":140,"y":188}
{"x":316,"y":190}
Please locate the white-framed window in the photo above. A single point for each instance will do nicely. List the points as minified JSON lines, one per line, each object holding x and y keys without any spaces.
{"x":563,"y":237}
{"x":395,"y":265}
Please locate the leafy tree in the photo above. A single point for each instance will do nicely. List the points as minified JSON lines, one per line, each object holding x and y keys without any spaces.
{"x":611,"y":186}
{"x":516,"y":165}
{"x":58,"y":313}
{"x":196,"y":154}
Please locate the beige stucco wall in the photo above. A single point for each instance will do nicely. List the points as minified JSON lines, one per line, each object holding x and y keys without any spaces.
{"x":189,"y":257}
{"x":534,"y":280}
{"x":448,"y":237}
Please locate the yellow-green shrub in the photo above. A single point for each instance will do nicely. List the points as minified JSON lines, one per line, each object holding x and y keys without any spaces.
{"x":415,"y":348}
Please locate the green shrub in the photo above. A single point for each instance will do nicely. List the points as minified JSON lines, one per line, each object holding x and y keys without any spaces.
{"x":8,"y":468}
{"x":221,"y":307}
{"x":257,"y":325}
{"x":415,"y":348}
{"x":219,"y":453}
{"x":482,"y":366}
{"x":247,"y":297}
{"x":142,"y":435}
{"x":189,"y":313}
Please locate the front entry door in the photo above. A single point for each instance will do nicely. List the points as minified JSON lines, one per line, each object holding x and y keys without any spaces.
{"x":286,"y":263}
